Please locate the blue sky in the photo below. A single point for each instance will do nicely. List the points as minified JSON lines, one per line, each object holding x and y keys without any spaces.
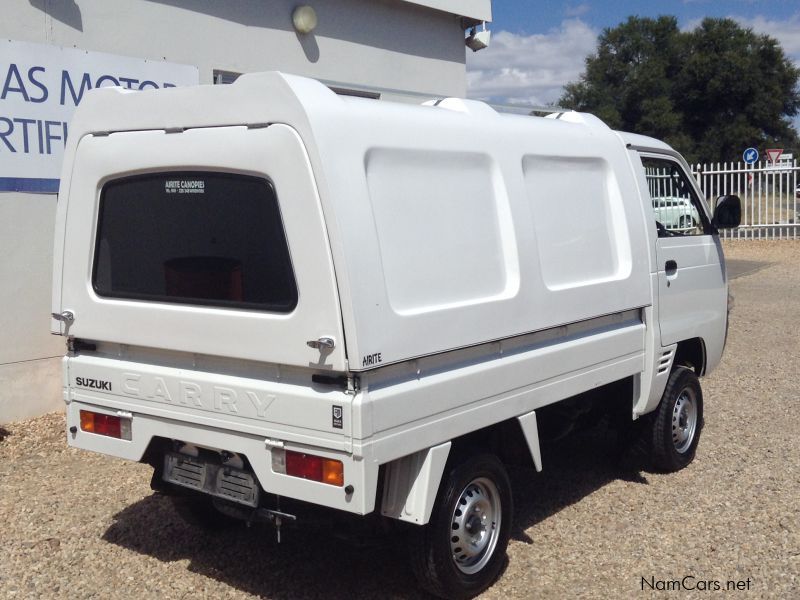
{"x":539,"y":45}
{"x":526,"y":17}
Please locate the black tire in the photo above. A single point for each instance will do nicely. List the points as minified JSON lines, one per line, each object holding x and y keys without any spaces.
{"x":197,"y":510}
{"x":480,"y":485}
{"x":677,"y":422}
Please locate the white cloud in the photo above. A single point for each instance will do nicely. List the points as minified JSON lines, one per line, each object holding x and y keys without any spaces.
{"x":692,"y":24}
{"x":787,"y":32}
{"x":530,"y":69}
{"x":577,"y":11}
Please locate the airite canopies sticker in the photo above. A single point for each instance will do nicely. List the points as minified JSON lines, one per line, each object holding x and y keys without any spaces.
{"x":337,"y":414}
{"x":185,"y":186}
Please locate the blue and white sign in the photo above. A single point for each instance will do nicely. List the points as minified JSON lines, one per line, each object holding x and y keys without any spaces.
{"x":750,"y":156}
{"x":40,"y":86}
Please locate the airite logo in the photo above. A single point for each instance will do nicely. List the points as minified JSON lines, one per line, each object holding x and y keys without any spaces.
{"x":185,"y":186}
{"x":371,"y":359}
{"x":93,"y":384}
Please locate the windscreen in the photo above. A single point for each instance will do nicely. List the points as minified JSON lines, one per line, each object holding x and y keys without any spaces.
{"x":194,"y":238}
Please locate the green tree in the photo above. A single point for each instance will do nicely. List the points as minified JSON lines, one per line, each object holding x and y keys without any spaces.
{"x":709,"y":92}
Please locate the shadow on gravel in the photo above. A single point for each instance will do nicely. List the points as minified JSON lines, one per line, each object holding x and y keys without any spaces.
{"x":740,"y":268}
{"x":573,"y":468}
{"x":312,"y":562}
{"x":309,"y":562}
{"x":4,"y":433}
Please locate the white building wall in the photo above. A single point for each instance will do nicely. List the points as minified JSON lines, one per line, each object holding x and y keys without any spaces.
{"x":30,"y":379}
{"x":384,"y":43}
{"x":411,"y":46}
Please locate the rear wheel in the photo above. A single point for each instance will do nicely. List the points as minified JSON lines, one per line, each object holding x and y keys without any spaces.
{"x":462,"y":550}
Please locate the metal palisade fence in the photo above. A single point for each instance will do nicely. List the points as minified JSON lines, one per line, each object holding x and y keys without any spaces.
{"x":769,"y":193}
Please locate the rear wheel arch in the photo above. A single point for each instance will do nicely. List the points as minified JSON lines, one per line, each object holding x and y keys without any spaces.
{"x":409,"y":485}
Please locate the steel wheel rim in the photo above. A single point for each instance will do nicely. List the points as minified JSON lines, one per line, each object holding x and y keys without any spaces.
{"x":475,"y":525}
{"x":684,"y":420}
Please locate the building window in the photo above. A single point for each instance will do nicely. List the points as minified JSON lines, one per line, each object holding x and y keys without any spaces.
{"x":342,"y":91}
{"x":222,"y":77}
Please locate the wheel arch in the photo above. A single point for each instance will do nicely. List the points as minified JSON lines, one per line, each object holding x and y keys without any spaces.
{"x":691,"y":353}
{"x":411,"y":483}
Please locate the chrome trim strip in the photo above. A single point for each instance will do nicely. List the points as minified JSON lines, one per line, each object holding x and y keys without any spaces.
{"x":521,"y":342}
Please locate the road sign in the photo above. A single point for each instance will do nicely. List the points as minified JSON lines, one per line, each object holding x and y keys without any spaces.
{"x":773,"y":154}
{"x":750,"y":156}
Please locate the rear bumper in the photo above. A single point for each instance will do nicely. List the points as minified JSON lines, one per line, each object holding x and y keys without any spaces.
{"x":361,"y":474}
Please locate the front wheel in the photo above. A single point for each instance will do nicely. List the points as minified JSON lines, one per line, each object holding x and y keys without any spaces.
{"x":678,"y":421}
{"x":462,"y":550}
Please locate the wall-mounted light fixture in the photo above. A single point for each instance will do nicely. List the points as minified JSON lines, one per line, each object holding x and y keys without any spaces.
{"x":304,"y":19}
{"x":478,"y":40}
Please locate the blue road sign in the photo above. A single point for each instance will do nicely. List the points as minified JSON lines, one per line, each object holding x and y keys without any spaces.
{"x":750,"y":156}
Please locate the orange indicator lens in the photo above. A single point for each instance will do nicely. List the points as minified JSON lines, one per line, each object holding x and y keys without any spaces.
{"x":332,"y":472}
{"x":316,"y":468}
{"x":87,"y":421}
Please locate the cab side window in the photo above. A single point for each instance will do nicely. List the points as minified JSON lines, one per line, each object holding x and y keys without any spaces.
{"x":677,"y":209}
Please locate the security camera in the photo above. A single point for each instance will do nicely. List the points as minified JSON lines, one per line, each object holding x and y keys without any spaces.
{"x":478,"y":40}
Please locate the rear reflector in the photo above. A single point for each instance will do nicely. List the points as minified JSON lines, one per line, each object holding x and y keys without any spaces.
{"x":308,"y":466}
{"x":108,"y":425}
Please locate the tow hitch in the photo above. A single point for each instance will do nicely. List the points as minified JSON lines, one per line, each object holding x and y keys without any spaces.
{"x":276,"y":517}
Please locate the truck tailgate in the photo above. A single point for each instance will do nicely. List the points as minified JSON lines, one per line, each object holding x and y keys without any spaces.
{"x":275,"y":407}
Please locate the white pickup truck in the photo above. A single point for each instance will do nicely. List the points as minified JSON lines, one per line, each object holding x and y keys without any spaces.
{"x":271,"y":291}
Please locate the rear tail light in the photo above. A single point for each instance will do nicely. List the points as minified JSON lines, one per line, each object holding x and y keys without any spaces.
{"x":108,"y":425}
{"x":308,"y":466}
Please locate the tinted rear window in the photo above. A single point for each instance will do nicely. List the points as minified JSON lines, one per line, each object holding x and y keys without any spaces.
{"x":194,"y":238}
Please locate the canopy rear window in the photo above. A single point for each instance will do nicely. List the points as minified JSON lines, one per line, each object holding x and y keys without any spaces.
{"x":194,"y":238}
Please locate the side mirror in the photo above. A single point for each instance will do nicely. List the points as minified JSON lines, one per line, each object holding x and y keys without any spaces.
{"x":727,"y":212}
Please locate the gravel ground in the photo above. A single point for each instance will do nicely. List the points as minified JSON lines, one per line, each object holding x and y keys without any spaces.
{"x":87,"y":526}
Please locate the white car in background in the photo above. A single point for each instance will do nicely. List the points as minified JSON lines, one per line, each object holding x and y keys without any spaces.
{"x":676,"y":213}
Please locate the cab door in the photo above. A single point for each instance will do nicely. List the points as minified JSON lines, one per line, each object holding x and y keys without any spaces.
{"x":691,"y":279}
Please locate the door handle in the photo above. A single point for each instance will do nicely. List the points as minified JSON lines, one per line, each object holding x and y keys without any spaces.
{"x":671,"y":268}
{"x":323,"y":343}
{"x":66,"y":317}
